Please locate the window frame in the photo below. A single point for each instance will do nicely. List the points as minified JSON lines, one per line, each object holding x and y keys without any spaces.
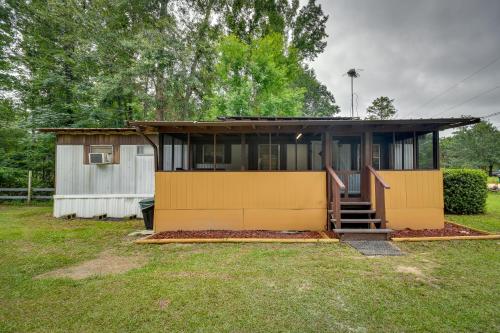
{"x":111,"y":156}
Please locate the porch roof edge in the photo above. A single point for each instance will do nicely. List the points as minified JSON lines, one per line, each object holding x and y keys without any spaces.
{"x":437,"y":123}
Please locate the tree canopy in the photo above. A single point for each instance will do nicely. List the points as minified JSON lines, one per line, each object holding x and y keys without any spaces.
{"x":472,"y":147}
{"x":381,"y":108}
{"x":100,"y":63}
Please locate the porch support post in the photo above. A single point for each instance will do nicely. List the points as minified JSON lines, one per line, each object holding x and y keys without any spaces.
{"x":243,"y":152}
{"x":189,"y":151}
{"x":160,"y":151}
{"x":327,"y":148}
{"x":366,"y":161}
{"x":327,"y":158}
{"x":435,"y":150}
{"x":215,"y":152}
{"x":415,"y":149}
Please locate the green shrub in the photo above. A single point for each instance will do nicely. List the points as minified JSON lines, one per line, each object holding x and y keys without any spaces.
{"x":465,"y":191}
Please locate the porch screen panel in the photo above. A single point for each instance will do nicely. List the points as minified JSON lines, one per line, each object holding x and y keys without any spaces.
{"x":233,"y":156}
{"x":347,"y":161}
{"x":258,"y":149}
{"x":313,"y":154}
{"x":425,"y":150}
{"x":382,"y":154}
{"x":175,"y":152}
{"x":403,"y":151}
{"x":203,"y":154}
{"x":167,"y":153}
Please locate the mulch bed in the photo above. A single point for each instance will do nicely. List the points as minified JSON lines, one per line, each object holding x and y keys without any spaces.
{"x":236,"y":234}
{"x":449,"y":229}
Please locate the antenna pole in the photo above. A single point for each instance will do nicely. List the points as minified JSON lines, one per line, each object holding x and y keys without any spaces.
{"x":352,"y":96}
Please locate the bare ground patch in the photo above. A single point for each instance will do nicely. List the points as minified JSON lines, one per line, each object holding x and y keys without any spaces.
{"x":418,"y":274}
{"x":105,"y":264}
{"x":410,"y":270}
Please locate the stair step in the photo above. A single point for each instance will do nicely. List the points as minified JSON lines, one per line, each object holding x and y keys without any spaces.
{"x":354,"y":211}
{"x":355,"y":203}
{"x":357,"y":211}
{"x":358,"y":220}
{"x":363,"y":234}
{"x":362,"y":231}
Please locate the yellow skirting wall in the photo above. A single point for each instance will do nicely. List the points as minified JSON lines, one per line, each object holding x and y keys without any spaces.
{"x":415,"y":199}
{"x":240,"y":201}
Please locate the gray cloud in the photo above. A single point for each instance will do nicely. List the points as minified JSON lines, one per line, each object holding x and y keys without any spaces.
{"x":411,"y":51}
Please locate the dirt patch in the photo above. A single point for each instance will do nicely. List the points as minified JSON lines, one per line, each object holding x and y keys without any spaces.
{"x":236,"y":234}
{"x":163,"y":303}
{"x":410,"y":270}
{"x":105,"y":264}
{"x":449,"y":229}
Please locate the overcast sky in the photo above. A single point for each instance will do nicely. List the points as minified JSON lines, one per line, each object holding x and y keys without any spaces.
{"x":412,"y":51}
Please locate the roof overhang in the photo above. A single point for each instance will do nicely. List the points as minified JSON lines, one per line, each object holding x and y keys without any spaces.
{"x":270,"y":124}
{"x":290,"y":125}
{"x":90,"y":131}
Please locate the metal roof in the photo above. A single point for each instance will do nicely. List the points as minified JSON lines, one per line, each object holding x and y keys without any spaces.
{"x":253,"y":118}
{"x":437,"y":123}
{"x":93,"y":130}
{"x":270,"y":123}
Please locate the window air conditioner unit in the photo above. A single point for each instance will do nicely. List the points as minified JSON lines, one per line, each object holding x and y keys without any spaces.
{"x":99,"y":158}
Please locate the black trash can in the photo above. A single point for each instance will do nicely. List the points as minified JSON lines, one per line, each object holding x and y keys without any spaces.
{"x":148,"y":212}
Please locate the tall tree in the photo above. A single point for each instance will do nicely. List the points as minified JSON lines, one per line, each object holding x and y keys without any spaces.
{"x":475,"y":146}
{"x":381,"y":108}
{"x":256,"y":78}
{"x":318,"y":100}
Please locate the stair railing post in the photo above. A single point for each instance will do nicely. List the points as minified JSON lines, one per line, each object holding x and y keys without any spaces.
{"x":380,"y":187}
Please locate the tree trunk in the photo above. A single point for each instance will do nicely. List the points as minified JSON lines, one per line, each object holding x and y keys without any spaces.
{"x":160,"y":98}
{"x":490,"y":170}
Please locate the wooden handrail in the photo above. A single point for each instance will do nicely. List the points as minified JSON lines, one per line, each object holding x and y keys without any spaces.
{"x":378,"y":177}
{"x":335,"y":186}
{"x":335,"y":177}
{"x":380,"y":187}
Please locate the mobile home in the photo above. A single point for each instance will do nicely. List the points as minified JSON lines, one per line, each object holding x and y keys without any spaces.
{"x":263,"y":173}
{"x":102,"y":171}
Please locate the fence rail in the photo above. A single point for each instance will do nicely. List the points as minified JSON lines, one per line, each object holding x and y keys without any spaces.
{"x":18,"y":193}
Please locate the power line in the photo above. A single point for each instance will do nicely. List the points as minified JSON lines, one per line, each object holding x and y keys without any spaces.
{"x":468,"y":100}
{"x":490,"y":115}
{"x":455,"y":85}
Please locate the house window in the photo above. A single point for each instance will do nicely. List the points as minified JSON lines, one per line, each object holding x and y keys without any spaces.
{"x":144,"y":150}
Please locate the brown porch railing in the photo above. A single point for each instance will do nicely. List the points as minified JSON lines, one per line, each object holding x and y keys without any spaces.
{"x":380,"y":187}
{"x":334,"y":186}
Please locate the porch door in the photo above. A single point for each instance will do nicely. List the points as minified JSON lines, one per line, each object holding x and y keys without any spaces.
{"x":346,"y":161}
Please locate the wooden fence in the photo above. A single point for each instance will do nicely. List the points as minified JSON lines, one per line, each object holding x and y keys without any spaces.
{"x":26,"y":193}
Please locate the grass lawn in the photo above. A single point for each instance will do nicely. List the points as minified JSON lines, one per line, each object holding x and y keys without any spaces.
{"x":490,"y":221}
{"x":436,"y":287}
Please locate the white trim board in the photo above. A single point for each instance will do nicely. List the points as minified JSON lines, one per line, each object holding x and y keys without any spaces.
{"x":101,"y":196}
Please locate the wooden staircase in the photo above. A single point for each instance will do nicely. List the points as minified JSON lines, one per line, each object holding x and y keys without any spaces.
{"x":358,"y":221}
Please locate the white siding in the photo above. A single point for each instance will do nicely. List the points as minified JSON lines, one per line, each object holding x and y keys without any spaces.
{"x":87,"y":206}
{"x":112,"y":189}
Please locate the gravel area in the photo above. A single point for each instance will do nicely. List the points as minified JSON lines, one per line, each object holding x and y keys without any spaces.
{"x":449,"y":229}
{"x":375,"y":248}
{"x":236,"y":234}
